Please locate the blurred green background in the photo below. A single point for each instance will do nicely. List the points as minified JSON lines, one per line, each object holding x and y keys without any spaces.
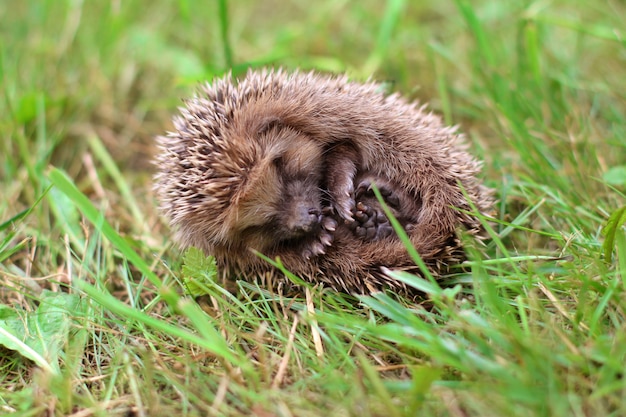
{"x":500,"y":69}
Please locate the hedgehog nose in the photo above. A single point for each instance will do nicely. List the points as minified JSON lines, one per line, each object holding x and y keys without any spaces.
{"x":308,"y":220}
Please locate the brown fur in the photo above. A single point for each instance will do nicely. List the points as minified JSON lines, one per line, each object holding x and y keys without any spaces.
{"x":262,"y":164}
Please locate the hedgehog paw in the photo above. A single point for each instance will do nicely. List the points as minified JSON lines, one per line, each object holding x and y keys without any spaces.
{"x":313,"y":250}
{"x":326,"y":234}
{"x":317,"y":247}
{"x":344,"y":205}
{"x":365,"y":189}
{"x":370,"y":223}
{"x":325,"y":237}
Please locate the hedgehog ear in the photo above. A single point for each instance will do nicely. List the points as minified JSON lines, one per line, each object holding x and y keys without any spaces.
{"x":268,"y":123}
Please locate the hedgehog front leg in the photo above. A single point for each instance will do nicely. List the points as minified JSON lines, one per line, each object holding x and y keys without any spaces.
{"x":341,"y":170}
{"x":340,"y":167}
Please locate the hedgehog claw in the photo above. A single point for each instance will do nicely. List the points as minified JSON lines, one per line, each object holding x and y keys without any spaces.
{"x":363,"y":187}
{"x":329,"y":224}
{"x":361,"y":216}
{"x":326,"y":239}
{"x":318,"y":249}
{"x":344,"y":207}
{"x":346,"y":214}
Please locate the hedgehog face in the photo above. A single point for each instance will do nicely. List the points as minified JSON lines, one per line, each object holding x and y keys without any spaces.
{"x":282,"y":203}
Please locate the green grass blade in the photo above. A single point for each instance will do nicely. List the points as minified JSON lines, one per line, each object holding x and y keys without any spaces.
{"x":61,"y":181}
{"x":224,"y":25}
{"x":402,"y":235}
{"x":27,"y":351}
{"x":610,"y":229}
{"x":210,"y":339}
{"x":111,"y":168}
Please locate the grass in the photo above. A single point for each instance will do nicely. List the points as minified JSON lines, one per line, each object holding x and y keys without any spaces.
{"x":93,"y":316}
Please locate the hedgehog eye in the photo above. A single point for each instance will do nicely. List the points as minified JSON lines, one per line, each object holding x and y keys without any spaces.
{"x":268,"y":124}
{"x":278,"y":161}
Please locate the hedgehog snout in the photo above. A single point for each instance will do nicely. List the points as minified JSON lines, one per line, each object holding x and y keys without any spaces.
{"x":304,"y":220}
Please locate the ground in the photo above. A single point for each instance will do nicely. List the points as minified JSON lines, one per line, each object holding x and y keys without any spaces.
{"x":94,"y":313}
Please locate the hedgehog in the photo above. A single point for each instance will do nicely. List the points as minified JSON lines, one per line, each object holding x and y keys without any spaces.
{"x":284,"y":164}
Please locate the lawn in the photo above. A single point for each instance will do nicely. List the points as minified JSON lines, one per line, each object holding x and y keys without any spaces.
{"x":95,"y":314}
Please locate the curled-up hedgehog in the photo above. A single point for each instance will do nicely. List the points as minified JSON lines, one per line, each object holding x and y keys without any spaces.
{"x":284,"y":164}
